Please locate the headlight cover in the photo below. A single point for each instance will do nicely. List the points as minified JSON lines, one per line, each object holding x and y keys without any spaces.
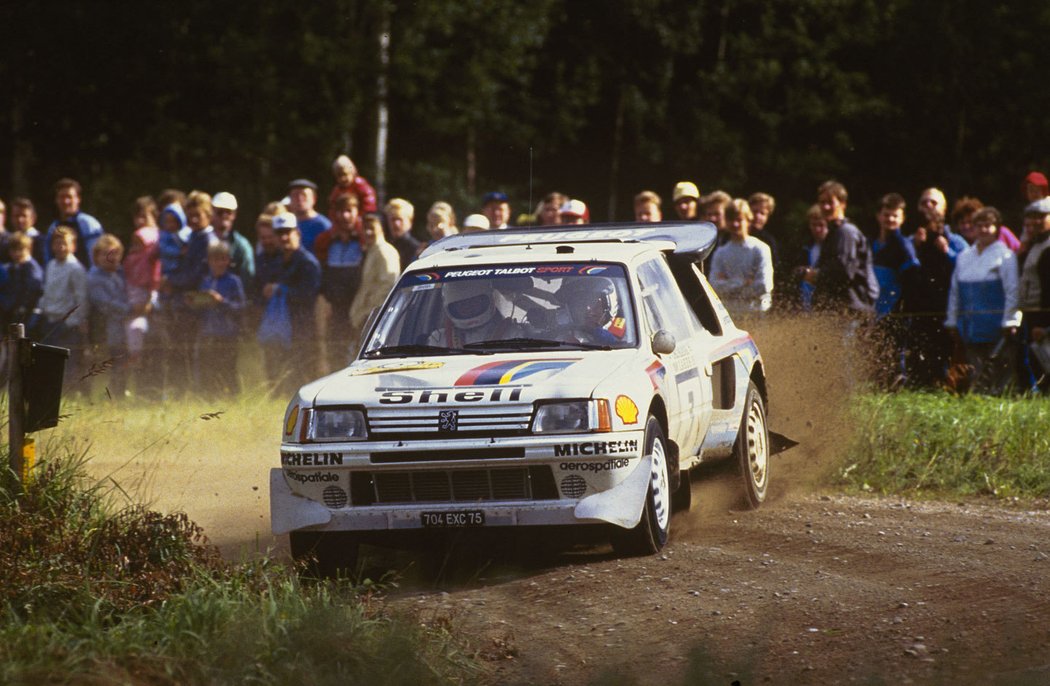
{"x":329,"y":426}
{"x":571,"y":417}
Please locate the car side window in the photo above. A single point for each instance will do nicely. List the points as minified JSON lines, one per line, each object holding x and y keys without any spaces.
{"x":662,"y":301}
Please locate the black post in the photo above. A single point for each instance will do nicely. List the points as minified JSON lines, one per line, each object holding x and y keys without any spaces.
{"x":16,"y":406}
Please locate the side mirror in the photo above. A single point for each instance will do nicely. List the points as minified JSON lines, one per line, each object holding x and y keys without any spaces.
{"x":663,"y":342}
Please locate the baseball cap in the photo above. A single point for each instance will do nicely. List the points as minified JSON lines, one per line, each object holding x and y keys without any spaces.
{"x":476,"y":221}
{"x":494,"y":196}
{"x":224,"y":201}
{"x":573,"y":208}
{"x":285,"y":221}
{"x":302,"y":183}
{"x":686,"y":189}
{"x":1039,"y":207}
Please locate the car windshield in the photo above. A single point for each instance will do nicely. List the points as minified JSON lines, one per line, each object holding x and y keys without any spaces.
{"x":484,"y":309}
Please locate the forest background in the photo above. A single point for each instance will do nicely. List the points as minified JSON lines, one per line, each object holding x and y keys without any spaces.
{"x":597,"y":99}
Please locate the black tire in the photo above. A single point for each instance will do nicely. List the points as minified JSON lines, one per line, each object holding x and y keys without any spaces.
{"x":325,"y":554}
{"x":752,"y":449}
{"x":650,"y":535}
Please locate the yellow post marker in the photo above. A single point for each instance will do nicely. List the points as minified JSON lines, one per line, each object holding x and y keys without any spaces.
{"x":28,"y":459}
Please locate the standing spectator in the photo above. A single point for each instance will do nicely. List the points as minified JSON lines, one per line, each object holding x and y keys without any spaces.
{"x":441,"y":221}
{"x":742,"y":269}
{"x":379,"y":274}
{"x":806,"y":267}
{"x":267,"y":252}
{"x":963,"y":210}
{"x":242,"y":257}
{"x":158,"y":362}
{"x":142,"y":278}
{"x":982,"y":303}
{"x":67,"y":199}
{"x":1034,"y":292}
{"x":647,"y":207}
{"x":220,"y":325}
{"x":762,"y":206}
{"x":300,"y":280}
{"x":25,"y":282}
{"x":340,"y":254}
{"x":23,"y":220}
{"x":347,"y":180}
{"x":399,"y":216}
{"x":1035,"y":187}
{"x":549,"y":212}
{"x":844,"y":279}
{"x":896,"y":270}
{"x":64,"y":303}
{"x":496,"y":206}
{"x":5,"y":236}
{"x":108,"y":296}
{"x":713,"y":209}
{"x":686,"y":199}
{"x":172,"y":239}
{"x":302,"y":201}
{"x":575,"y":212}
{"x":185,"y":279}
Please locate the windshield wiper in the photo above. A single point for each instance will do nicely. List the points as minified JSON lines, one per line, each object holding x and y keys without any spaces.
{"x":414,"y":349}
{"x":535,"y":343}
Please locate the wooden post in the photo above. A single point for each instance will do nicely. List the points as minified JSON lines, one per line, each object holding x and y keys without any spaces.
{"x":15,"y":397}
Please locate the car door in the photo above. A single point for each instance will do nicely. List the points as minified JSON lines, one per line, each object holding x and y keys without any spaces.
{"x":687,"y":373}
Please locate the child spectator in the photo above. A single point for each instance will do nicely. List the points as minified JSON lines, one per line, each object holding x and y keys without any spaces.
{"x":142,"y":276}
{"x":220,"y":325}
{"x":23,"y":219}
{"x":982,"y":303}
{"x":64,"y":303}
{"x":173,"y":237}
{"x":441,"y":221}
{"x":742,"y":269}
{"x":25,"y":281}
{"x":108,"y":296}
{"x":762,"y":206}
{"x":340,"y":254}
{"x":347,"y":180}
{"x":805,"y":269}
{"x":896,"y":270}
{"x":647,"y":207}
{"x":547,"y":214}
{"x":380,"y":271}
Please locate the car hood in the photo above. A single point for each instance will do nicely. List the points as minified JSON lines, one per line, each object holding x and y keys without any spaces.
{"x":562,"y":374}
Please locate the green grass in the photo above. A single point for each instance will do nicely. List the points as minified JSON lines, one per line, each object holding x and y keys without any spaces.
{"x":97,"y":590}
{"x":943,"y":445}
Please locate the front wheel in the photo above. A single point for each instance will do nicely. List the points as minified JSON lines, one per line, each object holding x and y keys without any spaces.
{"x":752,"y":449}
{"x":650,"y":534}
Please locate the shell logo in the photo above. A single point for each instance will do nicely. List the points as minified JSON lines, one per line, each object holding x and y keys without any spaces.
{"x":626,"y":410}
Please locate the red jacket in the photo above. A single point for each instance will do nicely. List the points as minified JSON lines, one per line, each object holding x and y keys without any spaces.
{"x":366,"y":195}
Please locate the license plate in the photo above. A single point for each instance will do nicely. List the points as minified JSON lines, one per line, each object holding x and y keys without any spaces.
{"x":453,"y":519}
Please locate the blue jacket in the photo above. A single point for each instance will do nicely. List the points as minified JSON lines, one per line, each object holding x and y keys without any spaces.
{"x":301,"y":277}
{"x":193,"y":266}
{"x":89,"y":230}
{"x":108,"y":297}
{"x":23,"y":286}
{"x":223,"y":320}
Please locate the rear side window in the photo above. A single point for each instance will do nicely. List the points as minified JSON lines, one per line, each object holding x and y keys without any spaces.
{"x":662,"y":301}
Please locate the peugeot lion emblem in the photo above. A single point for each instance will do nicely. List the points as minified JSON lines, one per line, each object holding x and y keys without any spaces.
{"x":448,"y":420}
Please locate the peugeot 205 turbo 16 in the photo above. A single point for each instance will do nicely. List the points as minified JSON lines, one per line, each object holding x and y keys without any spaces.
{"x":528,"y":378}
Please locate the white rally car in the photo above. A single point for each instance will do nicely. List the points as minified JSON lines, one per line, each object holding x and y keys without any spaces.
{"x":541,"y":377}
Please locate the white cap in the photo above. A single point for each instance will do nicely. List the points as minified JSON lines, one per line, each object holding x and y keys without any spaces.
{"x":574,"y":208}
{"x":224,"y":201}
{"x":284,"y":221}
{"x":476,"y":221}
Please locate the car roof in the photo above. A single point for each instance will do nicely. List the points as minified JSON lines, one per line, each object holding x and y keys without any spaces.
{"x":587,"y":241}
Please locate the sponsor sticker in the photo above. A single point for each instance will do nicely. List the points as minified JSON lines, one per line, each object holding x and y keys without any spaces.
{"x":607,"y":466}
{"x":656,"y":372}
{"x":509,"y":371}
{"x":312,"y":477}
{"x":626,"y":410}
{"x":311,"y":459}
{"x":596,"y":448}
{"x":425,"y":396}
{"x":388,"y":367}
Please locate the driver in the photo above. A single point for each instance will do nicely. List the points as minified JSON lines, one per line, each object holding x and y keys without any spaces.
{"x":593,"y":306}
{"x":471,"y":315}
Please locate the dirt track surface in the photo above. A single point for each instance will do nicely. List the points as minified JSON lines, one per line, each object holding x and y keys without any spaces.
{"x":820,"y":590}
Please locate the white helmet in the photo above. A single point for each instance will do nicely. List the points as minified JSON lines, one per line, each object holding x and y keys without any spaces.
{"x":469,"y":304}
{"x":591,"y":300}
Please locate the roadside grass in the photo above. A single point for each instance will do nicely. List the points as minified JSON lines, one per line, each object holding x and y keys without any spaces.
{"x":98,"y":590}
{"x":937,"y":444}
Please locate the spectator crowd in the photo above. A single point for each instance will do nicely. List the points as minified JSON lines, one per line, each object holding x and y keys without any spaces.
{"x":955,"y":298}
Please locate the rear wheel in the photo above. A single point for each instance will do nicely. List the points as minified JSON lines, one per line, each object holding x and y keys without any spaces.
{"x":650,"y":534}
{"x":325,"y":554}
{"x":752,"y":449}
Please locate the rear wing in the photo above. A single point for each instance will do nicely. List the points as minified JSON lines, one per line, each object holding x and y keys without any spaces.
{"x":694,"y":239}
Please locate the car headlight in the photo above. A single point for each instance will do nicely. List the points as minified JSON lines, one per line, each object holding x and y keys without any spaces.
{"x":337,"y":425}
{"x":575,"y":416}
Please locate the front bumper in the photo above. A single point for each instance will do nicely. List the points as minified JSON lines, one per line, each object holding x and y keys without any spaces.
{"x":599,"y":479}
